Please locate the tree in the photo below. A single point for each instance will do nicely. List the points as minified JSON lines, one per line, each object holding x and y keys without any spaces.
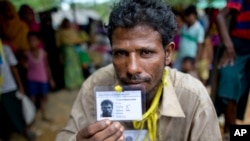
{"x":38,"y":5}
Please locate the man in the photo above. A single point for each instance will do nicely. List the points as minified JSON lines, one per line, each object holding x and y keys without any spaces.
{"x":107,"y":107}
{"x":141,"y":34}
{"x":234,"y":84}
{"x":192,"y":37}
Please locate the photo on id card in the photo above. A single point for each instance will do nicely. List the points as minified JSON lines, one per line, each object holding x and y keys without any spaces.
{"x":136,"y":135}
{"x":125,"y":105}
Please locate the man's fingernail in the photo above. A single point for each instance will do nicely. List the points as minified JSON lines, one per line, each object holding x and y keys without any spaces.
{"x":122,"y":129}
{"x":121,"y":138}
{"x":117,"y":125}
{"x":108,"y":122}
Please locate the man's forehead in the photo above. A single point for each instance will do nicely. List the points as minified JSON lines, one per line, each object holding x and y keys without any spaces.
{"x":133,"y":29}
{"x":139,"y":31}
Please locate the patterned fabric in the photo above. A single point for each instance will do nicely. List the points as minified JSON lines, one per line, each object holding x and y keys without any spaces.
{"x":13,"y":29}
{"x":241,"y":26}
{"x":72,"y":70}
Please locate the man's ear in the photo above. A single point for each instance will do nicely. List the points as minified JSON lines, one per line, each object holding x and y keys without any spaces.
{"x":169,"y":53}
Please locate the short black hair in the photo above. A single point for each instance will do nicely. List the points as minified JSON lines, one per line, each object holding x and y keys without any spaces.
{"x":107,"y":102}
{"x":190,"y":10}
{"x":189,"y":59}
{"x":153,"y":13}
{"x":35,"y":34}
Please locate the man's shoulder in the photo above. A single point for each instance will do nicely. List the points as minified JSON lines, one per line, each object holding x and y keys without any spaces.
{"x":104,"y":76}
{"x":189,"y":89}
{"x":186,"y":82}
{"x":198,"y":26}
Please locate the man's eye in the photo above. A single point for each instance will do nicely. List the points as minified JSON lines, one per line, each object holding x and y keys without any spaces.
{"x":146,"y":53}
{"x":120,"y":53}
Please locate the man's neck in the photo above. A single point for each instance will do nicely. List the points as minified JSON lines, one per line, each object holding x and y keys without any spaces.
{"x":150,"y":96}
{"x":191,"y":24}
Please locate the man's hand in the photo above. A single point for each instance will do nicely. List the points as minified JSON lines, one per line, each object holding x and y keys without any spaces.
{"x":104,"y":130}
{"x":228,"y":57}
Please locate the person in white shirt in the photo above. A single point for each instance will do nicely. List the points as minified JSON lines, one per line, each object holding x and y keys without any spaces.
{"x":11,"y":119}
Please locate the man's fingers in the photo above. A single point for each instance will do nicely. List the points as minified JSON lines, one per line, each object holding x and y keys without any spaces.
{"x":222,"y":62}
{"x":226,"y":59}
{"x":111,"y":133}
{"x":94,"y":128}
{"x":118,"y":136}
{"x":231,"y":62}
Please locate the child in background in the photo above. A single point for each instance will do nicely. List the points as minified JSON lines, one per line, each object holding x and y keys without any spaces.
{"x":192,"y":36}
{"x":188,"y":66}
{"x":39,"y":74}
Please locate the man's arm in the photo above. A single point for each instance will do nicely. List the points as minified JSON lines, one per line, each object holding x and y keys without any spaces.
{"x":205,"y":124}
{"x":18,"y":79}
{"x":199,"y":52}
{"x":11,"y":60}
{"x":200,"y":42}
{"x":228,"y":55}
{"x":82,"y":125}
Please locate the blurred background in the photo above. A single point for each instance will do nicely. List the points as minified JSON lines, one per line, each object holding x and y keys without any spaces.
{"x":72,"y":35}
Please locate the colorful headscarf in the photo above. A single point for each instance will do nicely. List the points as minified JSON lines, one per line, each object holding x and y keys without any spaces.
{"x":25,"y":11}
{"x":12,"y":28}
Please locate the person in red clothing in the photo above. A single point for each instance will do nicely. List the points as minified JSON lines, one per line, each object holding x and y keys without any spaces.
{"x":234,"y":63}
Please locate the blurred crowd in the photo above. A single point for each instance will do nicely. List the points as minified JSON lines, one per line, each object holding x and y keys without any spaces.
{"x":37,"y":58}
{"x":213,"y":46}
{"x":196,"y":42}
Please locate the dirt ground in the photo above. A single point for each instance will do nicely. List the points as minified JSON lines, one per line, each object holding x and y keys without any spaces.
{"x":58,"y":107}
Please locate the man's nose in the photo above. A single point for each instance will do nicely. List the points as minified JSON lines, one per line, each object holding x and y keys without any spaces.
{"x":133,"y":66}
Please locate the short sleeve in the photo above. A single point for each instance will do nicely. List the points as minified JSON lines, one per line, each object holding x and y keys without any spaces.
{"x":201,"y":34}
{"x":10,"y":57}
{"x":235,"y":4}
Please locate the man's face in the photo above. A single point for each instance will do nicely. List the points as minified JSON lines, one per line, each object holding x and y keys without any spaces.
{"x":107,"y":110}
{"x":139,"y":58}
{"x":186,"y":66}
{"x":191,"y":18}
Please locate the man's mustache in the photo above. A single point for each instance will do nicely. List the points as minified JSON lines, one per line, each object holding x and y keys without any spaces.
{"x":134,"y":78}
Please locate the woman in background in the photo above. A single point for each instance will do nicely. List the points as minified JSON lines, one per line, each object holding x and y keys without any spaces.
{"x":27,"y":14}
{"x":12,"y":28}
{"x":67,"y":39}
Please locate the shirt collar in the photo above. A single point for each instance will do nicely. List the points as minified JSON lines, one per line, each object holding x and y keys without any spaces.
{"x":170,"y":105}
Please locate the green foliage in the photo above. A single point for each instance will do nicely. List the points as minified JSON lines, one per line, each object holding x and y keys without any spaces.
{"x":181,"y":2}
{"x":102,"y":9}
{"x":38,"y":5}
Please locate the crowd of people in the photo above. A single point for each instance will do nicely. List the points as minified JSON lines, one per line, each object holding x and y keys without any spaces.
{"x":205,"y":47}
{"x":214,"y":50}
{"x":196,"y":58}
{"x":37,"y":58}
